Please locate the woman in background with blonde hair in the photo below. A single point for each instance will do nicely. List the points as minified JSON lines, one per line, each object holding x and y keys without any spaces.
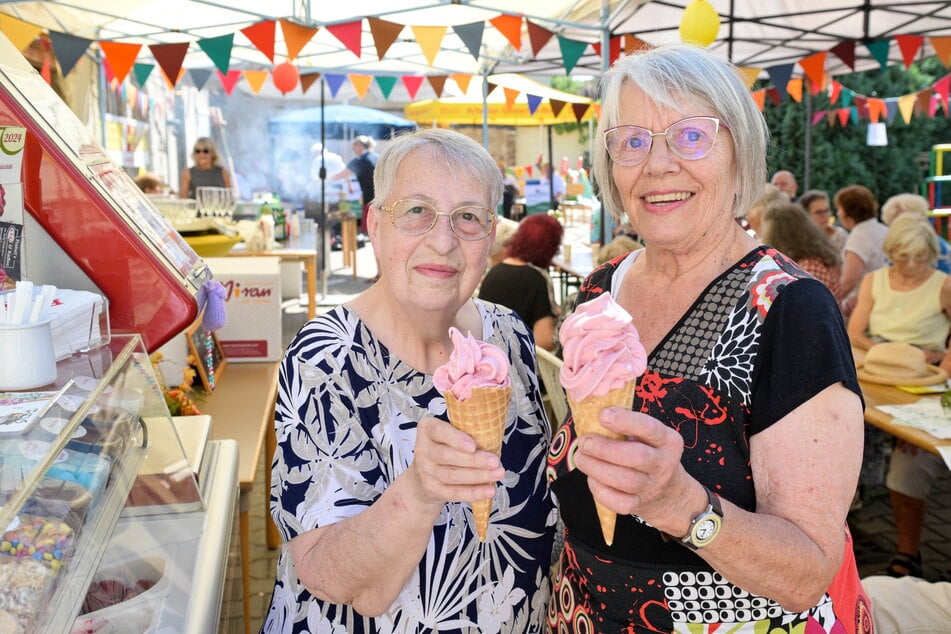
{"x":207,"y":171}
{"x":918,"y":207}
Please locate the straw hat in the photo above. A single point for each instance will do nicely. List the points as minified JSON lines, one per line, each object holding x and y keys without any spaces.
{"x":893,"y":363}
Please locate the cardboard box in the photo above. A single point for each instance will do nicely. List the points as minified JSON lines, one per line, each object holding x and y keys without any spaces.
{"x":253,"y":328}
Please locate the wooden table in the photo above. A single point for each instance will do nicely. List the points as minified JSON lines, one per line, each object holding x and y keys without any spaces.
{"x":242,"y":408}
{"x":572,"y":271}
{"x":297,"y":249}
{"x":887,"y":395}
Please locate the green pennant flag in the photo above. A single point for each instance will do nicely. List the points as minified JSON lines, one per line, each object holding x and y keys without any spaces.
{"x":879,"y":50}
{"x":219,"y":50}
{"x":846,"y":97}
{"x":571,"y":52}
{"x":386,"y":85}
{"x":141,"y":71}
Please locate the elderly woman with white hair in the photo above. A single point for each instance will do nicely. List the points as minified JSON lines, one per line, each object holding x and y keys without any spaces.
{"x":734,"y":465}
{"x":918,"y":207}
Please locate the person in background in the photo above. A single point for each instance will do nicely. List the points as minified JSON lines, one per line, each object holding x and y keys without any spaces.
{"x":917,"y":206}
{"x":363,"y":166}
{"x":207,"y":170}
{"x":504,"y":230}
{"x":863,"y":252}
{"x":149,"y":183}
{"x":909,"y":302}
{"x":521,"y":281}
{"x":733,"y":474}
{"x":559,"y":187}
{"x":786,"y":182}
{"x":771,"y":195}
{"x":788,"y":228}
{"x":817,"y":204}
{"x":909,"y":605}
{"x":510,"y":190}
{"x":371,"y":486}
{"x":334,"y":170}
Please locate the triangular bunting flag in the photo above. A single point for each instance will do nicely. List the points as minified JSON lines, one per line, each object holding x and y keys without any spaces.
{"x":843,"y":116}
{"x":580,"y":109}
{"x":412,"y":83}
{"x":121,"y":56}
{"x":861,"y":105}
{"x":489,"y":87}
{"x":438,"y":82}
{"x":170,"y":58}
{"x":814,"y":67}
{"x":533,"y":102}
{"x":832,"y":117}
{"x":46,"y":72}
{"x":462,"y":80}
{"x":141,"y":72}
{"x":538,"y":36}
{"x":794,"y":89}
{"x":891,"y":107}
{"x":349,"y":34}
{"x":229,"y":80}
{"x":168,"y":82}
{"x":759,"y":96}
{"x":386,"y":85}
{"x":780,"y":75}
{"x":262,"y":34}
{"x":615,"y":48}
{"x":571,"y":52}
{"x":834,"y":89}
{"x":510,"y":96}
{"x":876,"y":109}
{"x":218,"y":49}
{"x":384,"y":34}
{"x":909,"y":46}
{"x":429,"y":39}
{"x":307,"y":80}
{"x":942,"y":88}
{"x":942,"y":49}
{"x":68,"y":49}
{"x":879,"y":50}
{"x":557,"y":106}
{"x":334,"y":82}
{"x":749,"y":75}
{"x":906,"y":106}
{"x":845,"y":50}
{"x":471,"y":36}
{"x":510,"y":26}
{"x":200,"y":76}
{"x":774,"y":96}
{"x":296,"y":37}
{"x":255,"y":79}
{"x":633,"y":43}
{"x":818,"y":116}
{"x":924,"y":100}
{"x":21,"y":33}
{"x":360,"y":83}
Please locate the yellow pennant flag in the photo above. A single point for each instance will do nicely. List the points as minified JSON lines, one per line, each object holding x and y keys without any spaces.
{"x":429,"y":39}
{"x":361,"y":83}
{"x":21,"y":33}
{"x":749,"y":75}
{"x":255,"y":79}
{"x":906,"y":106}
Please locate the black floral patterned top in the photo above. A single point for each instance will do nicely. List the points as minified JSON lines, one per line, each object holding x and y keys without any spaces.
{"x":762,"y":339}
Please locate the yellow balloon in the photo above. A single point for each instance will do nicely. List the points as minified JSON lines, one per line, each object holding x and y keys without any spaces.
{"x":699,"y":24}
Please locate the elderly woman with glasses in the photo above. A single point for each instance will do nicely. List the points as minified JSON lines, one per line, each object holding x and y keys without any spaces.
{"x":207,"y":170}
{"x":372,"y":487}
{"x":733,"y":474}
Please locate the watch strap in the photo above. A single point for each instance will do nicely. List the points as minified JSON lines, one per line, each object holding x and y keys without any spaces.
{"x":713,"y":513}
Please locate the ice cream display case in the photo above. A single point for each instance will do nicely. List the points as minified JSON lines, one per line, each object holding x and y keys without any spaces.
{"x":112,"y":522}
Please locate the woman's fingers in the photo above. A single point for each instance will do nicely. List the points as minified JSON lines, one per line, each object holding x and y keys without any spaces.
{"x":450,"y":467}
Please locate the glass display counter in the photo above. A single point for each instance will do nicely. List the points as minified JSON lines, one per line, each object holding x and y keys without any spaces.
{"x":111,"y":524}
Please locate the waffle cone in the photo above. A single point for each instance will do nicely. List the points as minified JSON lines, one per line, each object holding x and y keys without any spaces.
{"x":482,"y":416}
{"x":585,"y":415}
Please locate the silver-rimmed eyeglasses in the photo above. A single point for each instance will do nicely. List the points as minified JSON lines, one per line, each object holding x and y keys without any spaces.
{"x":690,"y":139}
{"x":415,"y":217}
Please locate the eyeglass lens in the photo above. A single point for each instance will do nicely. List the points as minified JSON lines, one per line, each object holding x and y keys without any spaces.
{"x":202,"y":150}
{"x":689,"y":139}
{"x":414,"y":217}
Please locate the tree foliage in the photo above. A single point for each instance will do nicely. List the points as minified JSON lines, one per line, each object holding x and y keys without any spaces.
{"x":840,"y":156}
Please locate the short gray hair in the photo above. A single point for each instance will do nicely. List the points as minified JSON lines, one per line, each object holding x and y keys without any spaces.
{"x":459,"y":153}
{"x":682,"y":76}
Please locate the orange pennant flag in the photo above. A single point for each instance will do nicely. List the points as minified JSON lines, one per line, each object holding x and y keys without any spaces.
{"x":462,"y":81}
{"x":261,"y":34}
{"x":794,"y":89}
{"x":906,"y":106}
{"x":814,"y":67}
{"x":384,"y":34}
{"x":361,"y":83}
{"x":255,"y":79}
{"x":510,"y":96}
{"x":429,"y":39}
{"x":876,"y":109}
{"x":759,"y":96}
{"x":509,"y":26}
{"x":632,"y":43}
{"x":21,"y":33}
{"x":171,"y":84}
{"x":942,"y":49}
{"x":121,"y":57}
{"x":296,"y":37}
{"x":749,"y":75}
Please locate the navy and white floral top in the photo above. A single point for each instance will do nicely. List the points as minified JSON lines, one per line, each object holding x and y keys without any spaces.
{"x":346,"y":428}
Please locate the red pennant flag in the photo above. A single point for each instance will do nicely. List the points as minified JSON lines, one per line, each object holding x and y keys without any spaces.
{"x":170,"y":58}
{"x":835,"y":89}
{"x":538,"y":36}
{"x":45,"y":72}
{"x":843,"y":115}
{"x":230,"y":80}
{"x":349,"y":34}
{"x":909,"y":46}
{"x":845,"y":50}
{"x":412,"y":83}
{"x":261,"y":34}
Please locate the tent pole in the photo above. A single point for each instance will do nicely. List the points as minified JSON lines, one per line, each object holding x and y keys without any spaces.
{"x":485,"y":110}
{"x":322,"y":232}
{"x":605,"y":66}
{"x":807,"y":136}
{"x":551,"y":172}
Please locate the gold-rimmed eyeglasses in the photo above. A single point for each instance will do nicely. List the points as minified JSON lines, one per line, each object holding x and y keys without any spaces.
{"x":413,"y":217}
{"x":690,"y":139}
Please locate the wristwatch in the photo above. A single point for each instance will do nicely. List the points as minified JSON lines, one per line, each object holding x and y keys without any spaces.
{"x":705,"y":527}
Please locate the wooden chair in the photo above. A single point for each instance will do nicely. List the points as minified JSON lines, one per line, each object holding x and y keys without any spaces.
{"x":549,"y":367}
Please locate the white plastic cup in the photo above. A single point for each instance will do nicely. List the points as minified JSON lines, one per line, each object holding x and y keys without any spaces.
{"x":27,"y":360}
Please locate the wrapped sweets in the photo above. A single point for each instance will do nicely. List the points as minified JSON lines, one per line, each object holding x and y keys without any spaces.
{"x":603,"y":358}
{"x":475,"y":383}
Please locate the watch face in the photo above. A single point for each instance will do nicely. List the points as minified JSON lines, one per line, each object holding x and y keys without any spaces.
{"x":705,"y":530}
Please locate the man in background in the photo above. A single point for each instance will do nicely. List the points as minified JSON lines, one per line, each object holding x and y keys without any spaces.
{"x":786,"y":182}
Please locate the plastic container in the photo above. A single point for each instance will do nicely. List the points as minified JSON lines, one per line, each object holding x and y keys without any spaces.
{"x":28,"y":358}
